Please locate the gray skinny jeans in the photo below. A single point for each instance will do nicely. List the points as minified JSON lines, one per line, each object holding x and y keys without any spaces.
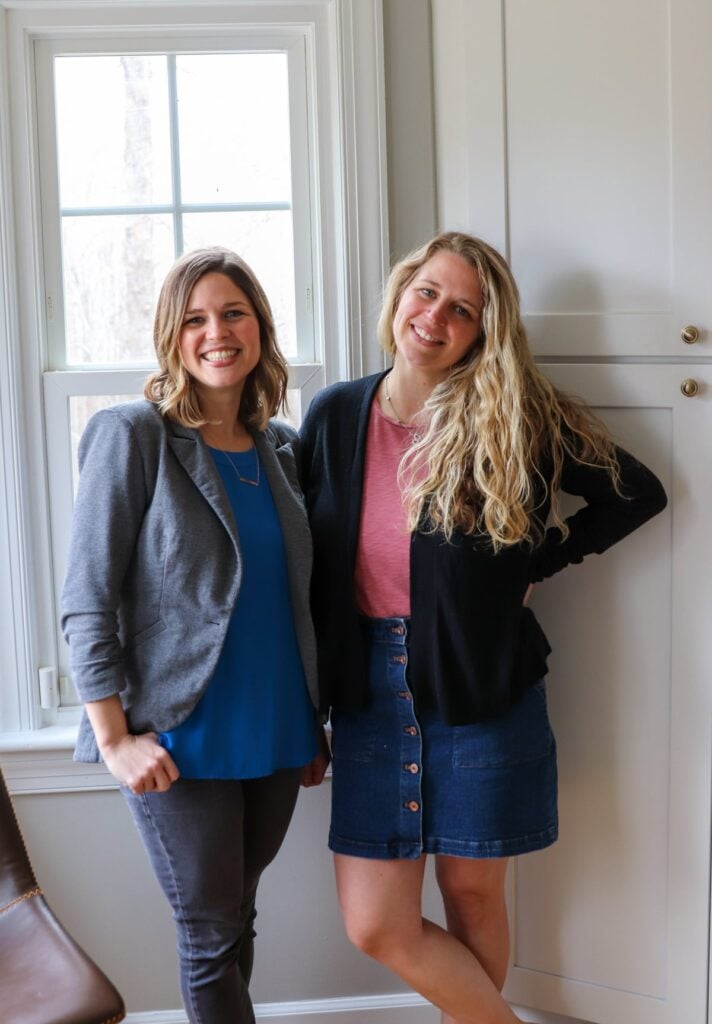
{"x":208,"y":842}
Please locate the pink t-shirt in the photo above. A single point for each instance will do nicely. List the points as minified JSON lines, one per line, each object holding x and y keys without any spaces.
{"x":382,"y":576}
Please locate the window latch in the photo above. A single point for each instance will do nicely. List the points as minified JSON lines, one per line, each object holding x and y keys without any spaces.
{"x":49,"y":687}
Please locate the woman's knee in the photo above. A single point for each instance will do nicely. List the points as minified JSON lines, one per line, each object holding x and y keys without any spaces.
{"x":381,"y":903}
{"x":212,"y":943}
{"x":472,"y":887}
{"x":374,"y":934}
{"x":205,"y":959}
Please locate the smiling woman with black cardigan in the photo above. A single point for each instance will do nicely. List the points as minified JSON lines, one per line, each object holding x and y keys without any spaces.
{"x":429,"y":489}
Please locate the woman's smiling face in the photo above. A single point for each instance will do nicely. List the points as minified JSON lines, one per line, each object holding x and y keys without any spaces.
{"x":438,"y":318}
{"x":220,"y":336}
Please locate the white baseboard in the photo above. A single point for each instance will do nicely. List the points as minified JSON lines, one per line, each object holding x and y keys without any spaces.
{"x":399,"y":1008}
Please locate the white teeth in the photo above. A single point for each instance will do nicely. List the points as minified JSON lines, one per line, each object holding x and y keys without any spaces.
{"x":423,"y":334}
{"x":219,"y":355}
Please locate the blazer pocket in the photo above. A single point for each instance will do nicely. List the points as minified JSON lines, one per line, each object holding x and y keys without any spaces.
{"x":144,"y":634}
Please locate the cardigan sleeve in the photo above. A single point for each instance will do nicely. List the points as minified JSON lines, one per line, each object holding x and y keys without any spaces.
{"x":110,"y":505}
{"x":607,"y":516}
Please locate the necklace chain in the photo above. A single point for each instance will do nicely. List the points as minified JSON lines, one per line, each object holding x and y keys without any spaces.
{"x":238,"y":474}
{"x":415,"y":434}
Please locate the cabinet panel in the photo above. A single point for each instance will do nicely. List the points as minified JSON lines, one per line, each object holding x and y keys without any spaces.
{"x":611,"y":923}
{"x":578,"y":138}
{"x":587,"y":109}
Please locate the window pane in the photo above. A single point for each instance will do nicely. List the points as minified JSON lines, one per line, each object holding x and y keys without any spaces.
{"x":294,"y":413}
{"x":265,"y":240}
{"x":234,"y":127}
{"x":81,"y":410}
{"x":112,"y":130}
{"x":113,"y":269}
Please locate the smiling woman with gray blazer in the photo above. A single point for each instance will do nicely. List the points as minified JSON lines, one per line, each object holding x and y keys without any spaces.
{"x":185,"y":607}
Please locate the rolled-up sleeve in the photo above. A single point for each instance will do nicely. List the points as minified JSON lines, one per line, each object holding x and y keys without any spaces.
{"x":110,"y":505}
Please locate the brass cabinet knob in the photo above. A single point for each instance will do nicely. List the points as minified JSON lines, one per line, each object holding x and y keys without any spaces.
{"x":689,"y":387}
{"x":690,"y":334}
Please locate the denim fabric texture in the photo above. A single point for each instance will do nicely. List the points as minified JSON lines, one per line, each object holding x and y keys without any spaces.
{"x":208,"y":842}
{"x":404,"y":783}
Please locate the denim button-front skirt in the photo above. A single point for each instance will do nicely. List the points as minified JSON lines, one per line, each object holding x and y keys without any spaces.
{"x":404,"y":783}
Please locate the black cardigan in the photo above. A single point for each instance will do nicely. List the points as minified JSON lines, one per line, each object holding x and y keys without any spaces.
{"x":474,"y":648}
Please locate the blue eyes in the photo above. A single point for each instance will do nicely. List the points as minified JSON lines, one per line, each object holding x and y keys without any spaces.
{"x":429,"y":293}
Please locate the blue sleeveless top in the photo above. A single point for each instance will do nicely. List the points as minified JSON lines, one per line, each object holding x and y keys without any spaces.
{"x":256,"y":715}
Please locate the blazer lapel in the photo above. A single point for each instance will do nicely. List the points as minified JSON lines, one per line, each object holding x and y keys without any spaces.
{"x":189,"y":448}
{"x":280,"y":469}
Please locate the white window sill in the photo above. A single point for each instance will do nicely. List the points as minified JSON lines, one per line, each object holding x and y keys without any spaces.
{"x":41,"y":762}
{"x":52,"y":737}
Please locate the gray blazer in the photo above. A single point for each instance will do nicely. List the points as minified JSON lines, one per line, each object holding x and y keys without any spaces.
{"x":155,"y":565}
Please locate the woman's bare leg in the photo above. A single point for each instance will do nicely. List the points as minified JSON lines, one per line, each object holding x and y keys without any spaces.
{"x":381,"y":904}
{"x":476,"y":913}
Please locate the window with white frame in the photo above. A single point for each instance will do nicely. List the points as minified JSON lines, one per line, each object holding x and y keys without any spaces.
{"x":146,"y":155}
{"x":142,"y":142}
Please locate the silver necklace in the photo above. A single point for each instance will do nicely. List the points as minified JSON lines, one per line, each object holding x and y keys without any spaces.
{"x":414,"y":433}
{"x":238,"y":474}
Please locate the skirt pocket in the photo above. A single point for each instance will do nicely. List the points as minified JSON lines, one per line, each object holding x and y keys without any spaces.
{"x":522,"y":734}
{"x":353,"y":735}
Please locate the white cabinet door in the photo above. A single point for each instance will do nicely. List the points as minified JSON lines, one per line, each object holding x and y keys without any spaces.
{"x":576,"y":136}
{"x":610,"y":924}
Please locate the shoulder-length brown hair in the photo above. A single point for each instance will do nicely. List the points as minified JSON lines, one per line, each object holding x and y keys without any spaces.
{"x":171,"y":387}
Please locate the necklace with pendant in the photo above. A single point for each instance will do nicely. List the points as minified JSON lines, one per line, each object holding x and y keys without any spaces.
{"x":414,"y":432}
{"x":238,"y":474}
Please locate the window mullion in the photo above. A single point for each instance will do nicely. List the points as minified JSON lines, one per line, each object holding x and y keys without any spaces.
{"x":302,"y":214}
{"x":175,"y":154}
{"x":114,"y":211}
{"x":256,"y":207}
{"x":122,"y":211}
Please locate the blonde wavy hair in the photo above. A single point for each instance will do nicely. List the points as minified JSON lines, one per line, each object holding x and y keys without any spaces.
{"x":172,"y":388}
{"x":496,"y":429}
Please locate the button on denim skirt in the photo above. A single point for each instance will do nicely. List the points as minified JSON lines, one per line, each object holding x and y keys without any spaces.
{"x":404,"y":783}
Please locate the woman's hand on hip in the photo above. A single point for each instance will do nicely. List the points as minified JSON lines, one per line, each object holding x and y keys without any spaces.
{"x":140,"y":763}
{"x":528,"y":594}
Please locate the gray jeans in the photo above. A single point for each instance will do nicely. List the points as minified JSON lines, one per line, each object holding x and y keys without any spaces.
{"x":209,"y":841}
